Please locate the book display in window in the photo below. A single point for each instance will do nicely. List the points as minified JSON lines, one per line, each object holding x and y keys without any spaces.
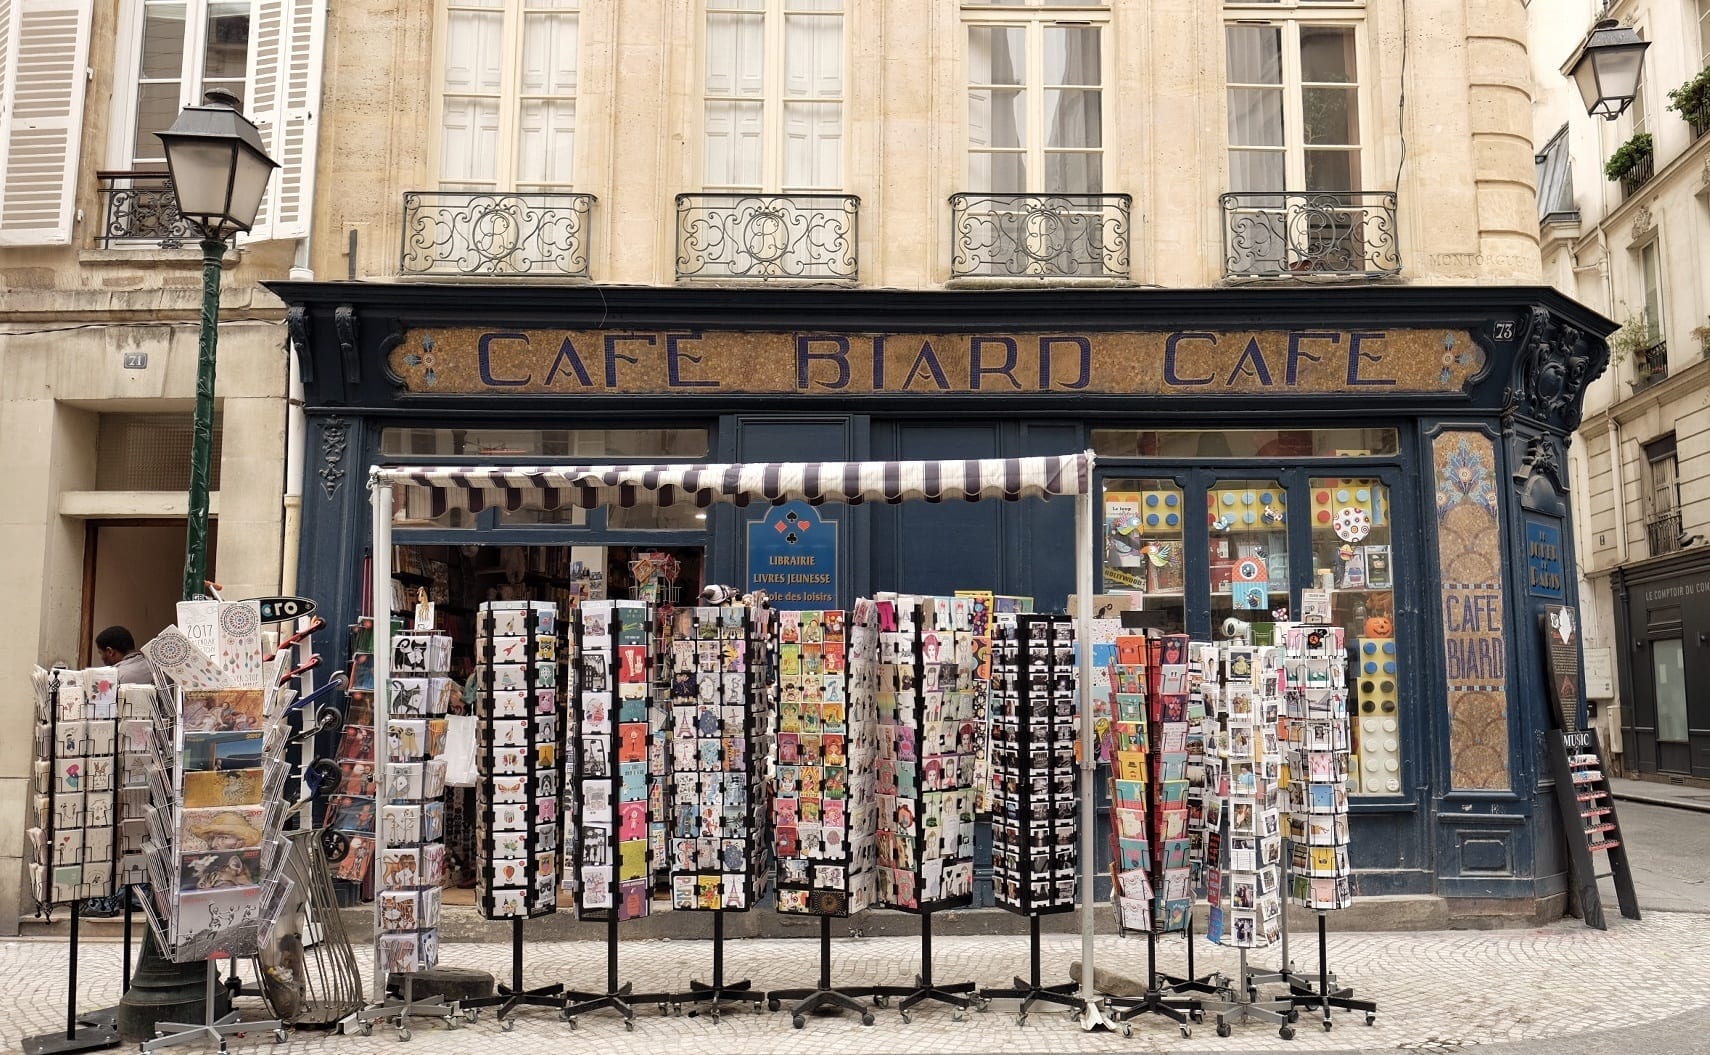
{"x":719,"y":741}
{"x":412,"y":813}
{"x":609,"y":852}
{"x":825,"y":813}
{"x":518,"y":737}
{"x":1315,"y":670}
{"x":1035,"y":819}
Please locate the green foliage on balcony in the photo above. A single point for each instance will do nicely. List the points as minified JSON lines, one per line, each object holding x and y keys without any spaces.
{"x":1629,"y":156}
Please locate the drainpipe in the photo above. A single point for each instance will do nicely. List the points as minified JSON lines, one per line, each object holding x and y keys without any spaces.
{"x":296,"y":430}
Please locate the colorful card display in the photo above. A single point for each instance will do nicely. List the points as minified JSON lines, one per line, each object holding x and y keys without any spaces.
{"x":408,"y":811}
{"x":1317,"y":741}
{"x":1244,"y":839}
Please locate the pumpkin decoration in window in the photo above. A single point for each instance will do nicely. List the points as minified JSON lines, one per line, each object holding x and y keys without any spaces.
{"x":1380,"y":626}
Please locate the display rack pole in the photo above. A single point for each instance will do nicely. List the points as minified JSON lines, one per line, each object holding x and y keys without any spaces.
{"x":1032,"y":990}
{"x":616,"y":998}
{"x":822,"y":997}
{"x":79,"y":1035}
{"x":176,"y":1034}
{"x":715,"y":992}
{"x":1083,"y":546}
{"x":924,"y":988}
{"x":512,"y":996}
{"x":1156,"y":1000}
{"x":1325,"y":995}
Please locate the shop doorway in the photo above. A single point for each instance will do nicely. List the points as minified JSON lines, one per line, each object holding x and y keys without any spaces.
{"x":133,"y":576}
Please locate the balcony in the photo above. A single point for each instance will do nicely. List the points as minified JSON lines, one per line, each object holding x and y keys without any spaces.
{"x":1700,"y":124}
{"x":1045,"y":236}
{"x":741,"y":237}
{"x":1662,"y":531}
{"x":1638,"y":176}
{"x":535,"y":234}
{"x":140,"y":208}
{"x":1650,"y":364}
{"x":1271,"y":234}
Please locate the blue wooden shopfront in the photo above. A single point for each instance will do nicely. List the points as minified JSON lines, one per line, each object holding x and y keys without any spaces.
{"x":1416,"y":434}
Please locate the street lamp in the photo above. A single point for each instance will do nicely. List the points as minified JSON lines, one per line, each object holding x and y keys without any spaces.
{"x":219,"y":173}
{"x":1607,"y":68}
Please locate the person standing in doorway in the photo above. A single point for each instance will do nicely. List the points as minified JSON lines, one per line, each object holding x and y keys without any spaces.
{"x":117,"y":648}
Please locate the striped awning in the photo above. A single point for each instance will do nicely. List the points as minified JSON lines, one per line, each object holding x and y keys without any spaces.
{"x":434,"y":491}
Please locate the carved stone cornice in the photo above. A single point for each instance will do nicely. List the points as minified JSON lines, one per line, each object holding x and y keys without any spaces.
{"x":1555,"y":364}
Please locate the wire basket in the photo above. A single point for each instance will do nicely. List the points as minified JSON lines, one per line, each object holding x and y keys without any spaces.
{"x":307,"y":968}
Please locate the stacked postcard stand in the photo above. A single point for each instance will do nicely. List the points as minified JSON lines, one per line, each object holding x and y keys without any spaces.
{"x":1318,"y":740}
{"x":350,"y":811}
{"x":214,"y":852}
{"x":608,"y":853}
{"x":825,"y":813}
{"x":1036,"y":809}
{"x":720,"y":739}
{"x":926,"y":762}
{"x":518,"y":736}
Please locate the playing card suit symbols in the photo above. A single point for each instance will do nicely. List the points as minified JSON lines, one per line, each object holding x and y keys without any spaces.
{"x":792,"y":526}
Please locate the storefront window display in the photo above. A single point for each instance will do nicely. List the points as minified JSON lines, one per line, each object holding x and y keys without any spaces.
{"x":1143,"y":548}
{"x":1247,"y":551}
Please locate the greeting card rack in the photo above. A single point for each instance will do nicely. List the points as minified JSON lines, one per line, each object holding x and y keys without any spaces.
{"x":1035,"y":808}
{"x":609,"y":848}
{"x":826,"y":739}
{"x":926,"y":776}
{"x":719,"y":740}
{"x":54,"y":758}
{"x":350,"y":811}
{"x":518,"y":736}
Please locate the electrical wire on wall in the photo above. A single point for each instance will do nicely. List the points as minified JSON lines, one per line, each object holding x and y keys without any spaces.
{"x":1401,"y":102}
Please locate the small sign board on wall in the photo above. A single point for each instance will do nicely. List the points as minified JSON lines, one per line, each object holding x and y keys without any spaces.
{"x":792,"y":556}
{"x":1561,"y":649}
{"x":1599,"y":674}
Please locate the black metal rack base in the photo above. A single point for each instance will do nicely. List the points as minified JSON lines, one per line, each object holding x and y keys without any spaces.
{"x":1164,"y":1001}
{"x":718,"y":992}
{"x":959,"y":995}
{"x":822,"y":996}
{"x":1192,"y":982}
{"x":80,"y":1033}
{"x":1031,"y":990}
{"x":1325,"y":995}
{"x":617,"y":997}
{"x":515,"y":995}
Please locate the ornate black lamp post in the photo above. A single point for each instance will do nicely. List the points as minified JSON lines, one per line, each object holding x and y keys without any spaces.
{"x":1607,"y":68}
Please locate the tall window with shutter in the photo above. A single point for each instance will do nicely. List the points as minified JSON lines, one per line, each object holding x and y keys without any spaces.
{"x":44,"y":50}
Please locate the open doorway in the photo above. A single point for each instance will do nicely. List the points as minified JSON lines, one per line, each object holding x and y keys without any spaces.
{"x":133,"y":576}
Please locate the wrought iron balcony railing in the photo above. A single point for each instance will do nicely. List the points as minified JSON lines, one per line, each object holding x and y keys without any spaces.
{"x":1650,"y":365}
{"x":1639,"y":175}
{"x":532,"y":234}
{"x":1276,"y":233}
{"x":140,"y":208}
{"x":1699,"y":124}
{"x":1039,"y":235}
{"x":1662,"y":531}
{"x":768,"y":237}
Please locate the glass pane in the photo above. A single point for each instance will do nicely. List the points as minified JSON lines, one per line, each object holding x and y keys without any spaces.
{"x":414,"y":508}
{"x":733,"y":144}
{"x":1331,"y":115}
{"x":1332,"y":170}
{"x":1256,"y":117}
{"x":1075,"y":174}
{"x":1071,"y":55}
{"x":735,"y":54}
{"x":1244,"y":443}
{"x":1352,"y":564}
{"x":163,"y":41}
{"x":546,"y":142}
{"x":996,"y":54}
{"x":680,"y":517}
{"x":1256,"y":170}
{"x":997,"y":173}
{"x":469,"y":139}
{"x":572,"y":516}
{"x":473,"y":45}
{"x":997,"y":118}
{"x":1073,"y":119}
{"x":1255,"y":54}
{"x":1248,"y":552}
{"x":1143,"y":554}
{"x":227,"y":52}
{"x":157,"y":108}
{"x":580,"y":445}
{"x":549,"y":54}
{"x":813,"y":57}
{"x":1327,"y":55}
{"x":1668,"y":669}
{"x":813,"y":5}
{"x":813,"y":146}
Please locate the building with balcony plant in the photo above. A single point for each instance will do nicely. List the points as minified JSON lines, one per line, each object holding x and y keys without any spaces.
{"x":1294,"y":253}
{"x":1624,"y":210}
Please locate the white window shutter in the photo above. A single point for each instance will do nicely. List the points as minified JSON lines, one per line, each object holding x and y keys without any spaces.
{"x":285,"y":68}
{"x":44,"y":56}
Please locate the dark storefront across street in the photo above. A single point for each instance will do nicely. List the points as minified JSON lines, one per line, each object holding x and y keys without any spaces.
{"x":1403,"y":448}
{"x":1662,"y":625}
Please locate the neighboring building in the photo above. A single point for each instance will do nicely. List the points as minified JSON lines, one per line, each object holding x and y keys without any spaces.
{"x":1271,"y":255}
{"x":1634,"y":248}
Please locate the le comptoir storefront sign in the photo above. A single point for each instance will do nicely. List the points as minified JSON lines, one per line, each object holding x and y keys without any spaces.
{"x":470,"y":360}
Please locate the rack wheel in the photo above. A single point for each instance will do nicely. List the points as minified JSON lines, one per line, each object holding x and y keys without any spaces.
{"x":1294,"y":1014}
{"x":881,"y":1000}
{"x":404,"y":1033}
{"x":1371,"y":1018}
{"x":573,"y":1023}
{"x":472,"y":1016}
{"x":715,"y":1013}
{"x":629,"y":1025}
{"x":1196,"y":1015}
{"x":507,"y":1024}
{"x":1187,"y":1031}
{"x":1021,"y":1019}
{"x":981,"y":1003}
{"x":1286,"y":1032}
{"x":797,"y":1021}
{"x":773,"y":1005}
{"x":866,"y":1018}
{"x":907,"y":1018}
{"x":279,"y":1036}
{"x":1223,"y":1029}
{"x":1127,"y":1029}
{"x":958,"y":1015}
{"x":1328,"y":1025}
{"x":366,"y":1029}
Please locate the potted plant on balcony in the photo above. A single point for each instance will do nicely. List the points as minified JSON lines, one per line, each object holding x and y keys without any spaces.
{"x":1631,"y":162}
{"x":1692,"y":102}
{"x":1701,"y":334}
{"x":1631,"y":342}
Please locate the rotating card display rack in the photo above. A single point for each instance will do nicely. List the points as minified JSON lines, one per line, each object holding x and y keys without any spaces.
{"x":609,"y":851}
{"x":410,"y":833}
{"x":827,"y":738}
{"x":719,"y":742}
{"x":350,"y":809}
{"x":1318,"y":742}
{"x":926,"y":761}
{"x":1035,"y":806}
{"x":519,"y":737}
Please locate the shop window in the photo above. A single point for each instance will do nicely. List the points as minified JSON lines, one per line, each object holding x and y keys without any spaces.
{"x":1035,"y":101}
{"x":1243,"y":443}
{"x":150,"y":452}
{"x":508,"y":95}
{"x":1294,"y":97}
{"x":575,"y":445}
{"x":1353,"y":568}
{"x":773,"y":99}
{"x":1668,"y":670}
{"x":1248,"y":554}
{"x":1143,"y":554}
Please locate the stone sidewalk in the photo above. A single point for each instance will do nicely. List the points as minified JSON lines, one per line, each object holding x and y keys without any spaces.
{"x":1436,"y":991}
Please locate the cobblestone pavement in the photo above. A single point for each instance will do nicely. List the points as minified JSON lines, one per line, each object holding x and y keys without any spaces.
{"x":1436,"y":991}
